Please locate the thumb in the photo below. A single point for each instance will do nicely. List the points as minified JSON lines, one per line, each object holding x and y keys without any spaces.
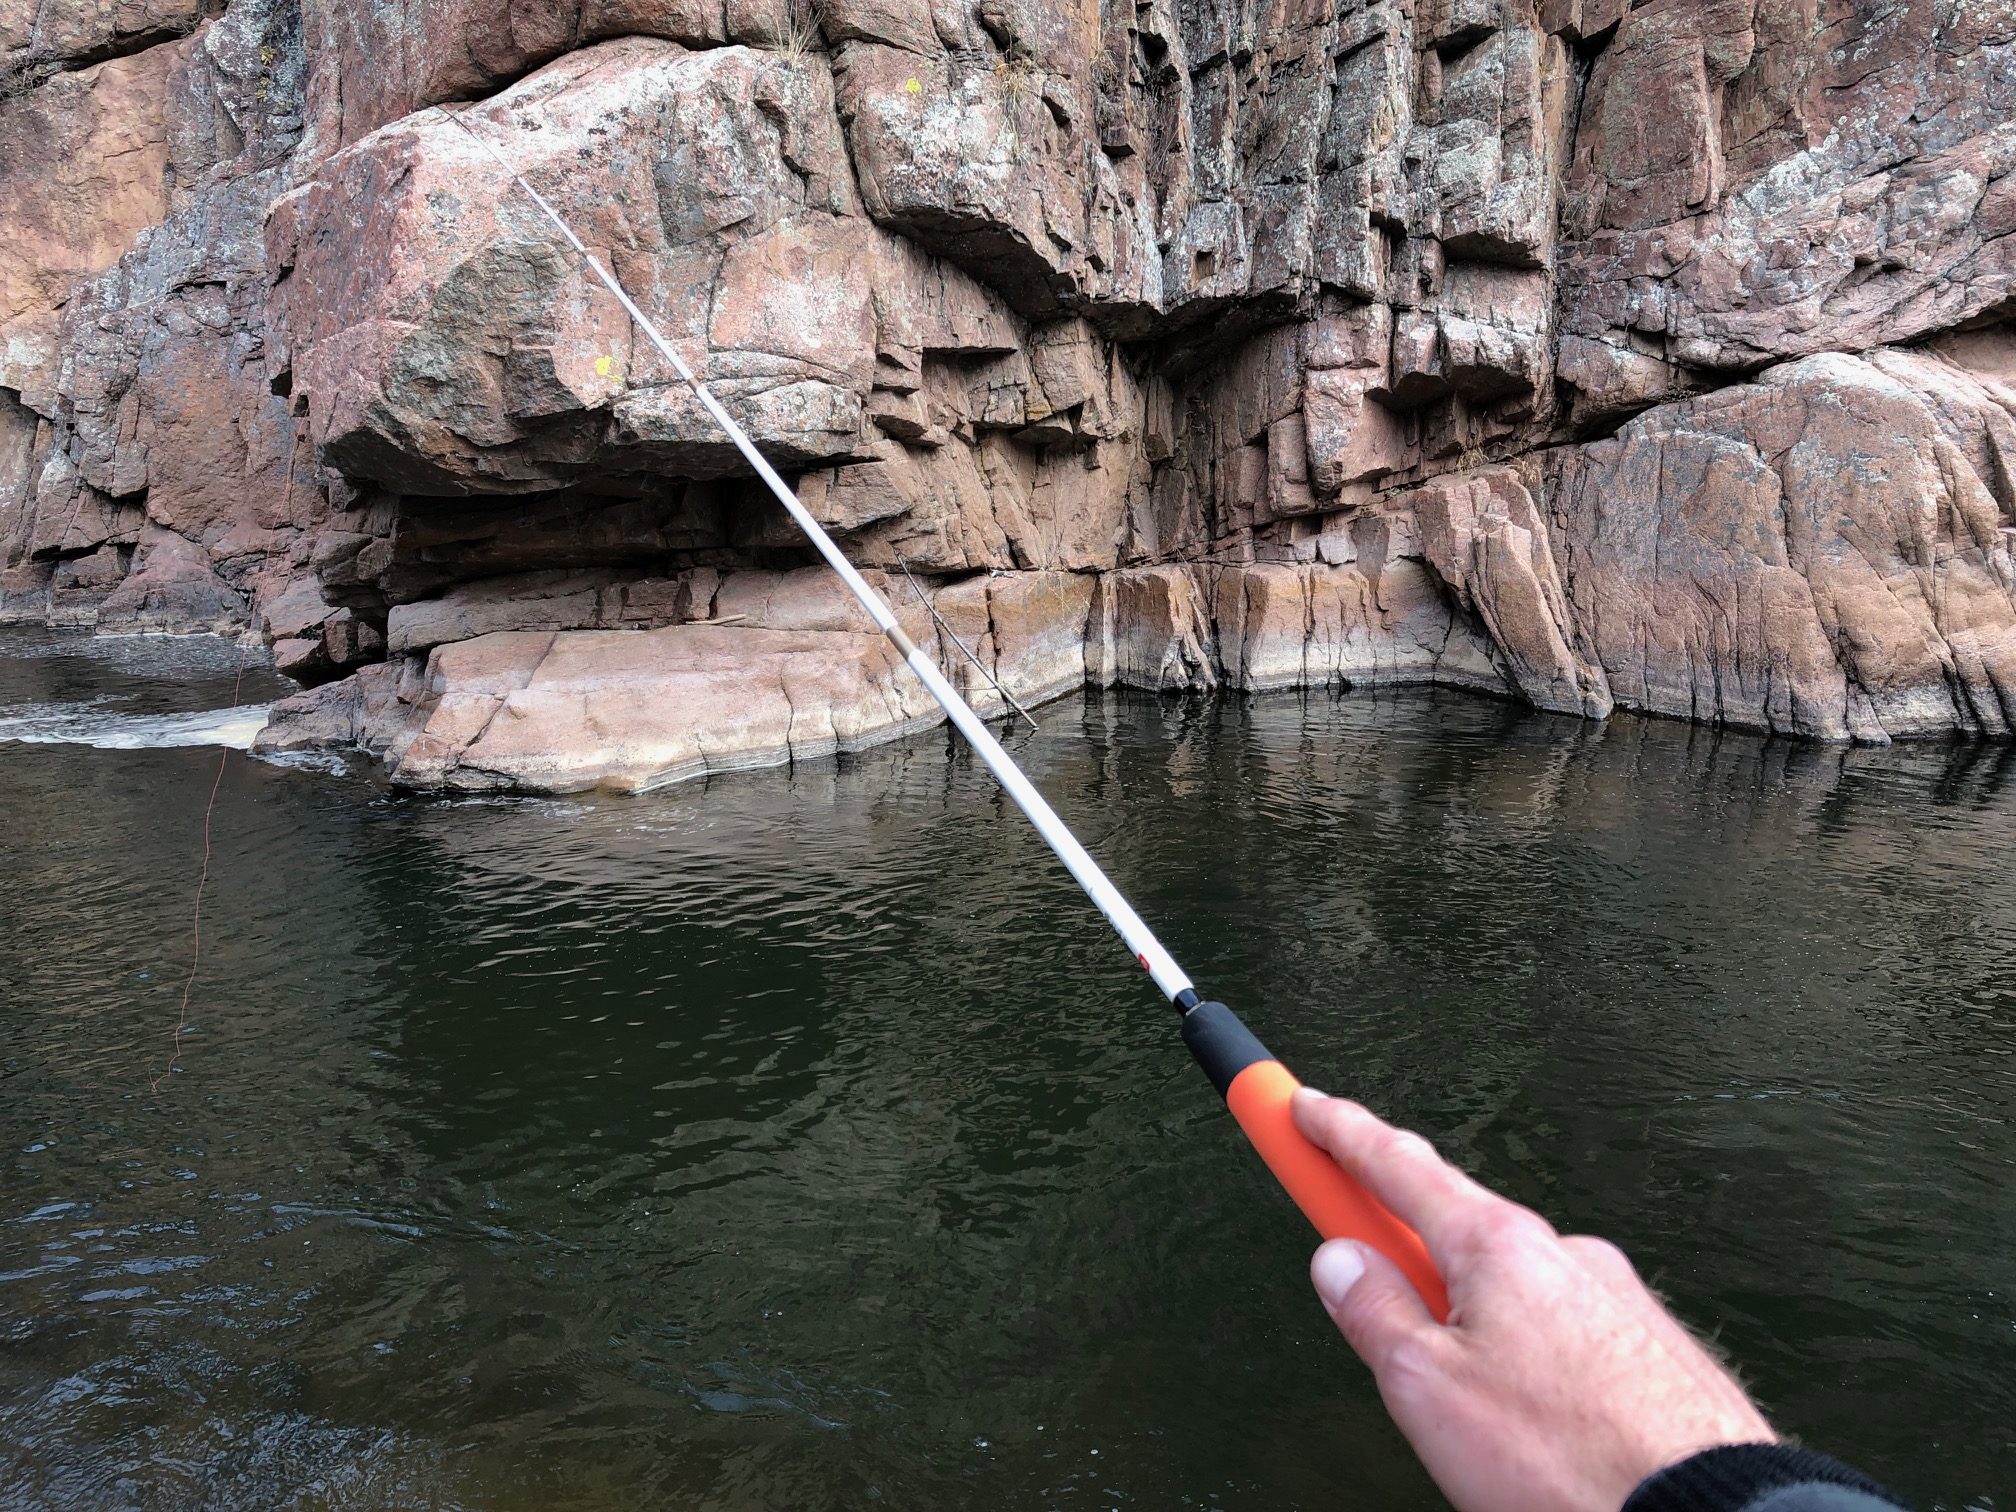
{"x":1373,"y":1305}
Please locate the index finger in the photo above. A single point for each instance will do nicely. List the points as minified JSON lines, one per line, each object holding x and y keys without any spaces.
{"x":1401,"y":1169}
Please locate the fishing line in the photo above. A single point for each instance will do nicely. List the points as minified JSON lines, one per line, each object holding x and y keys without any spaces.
{"x":1256,"y":1087}
{"x":210,"y":809}
{"x":950,"y":634}
{"x":202,"y":881}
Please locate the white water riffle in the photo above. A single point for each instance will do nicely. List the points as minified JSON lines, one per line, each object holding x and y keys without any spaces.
{"x":101,"y":724}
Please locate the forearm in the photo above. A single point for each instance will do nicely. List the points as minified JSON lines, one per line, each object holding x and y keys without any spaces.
{"x":1760,"y":1478}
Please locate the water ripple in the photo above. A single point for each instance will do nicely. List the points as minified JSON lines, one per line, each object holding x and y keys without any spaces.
{"x":774,"y":1141}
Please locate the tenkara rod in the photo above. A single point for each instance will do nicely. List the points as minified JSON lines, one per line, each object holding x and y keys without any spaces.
{"x":1255,"y":1086}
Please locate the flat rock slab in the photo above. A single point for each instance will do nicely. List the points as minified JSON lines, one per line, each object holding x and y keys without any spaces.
{"x":624,"y":710}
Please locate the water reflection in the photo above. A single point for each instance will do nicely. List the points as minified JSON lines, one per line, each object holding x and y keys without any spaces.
{"x":801,"y":1140}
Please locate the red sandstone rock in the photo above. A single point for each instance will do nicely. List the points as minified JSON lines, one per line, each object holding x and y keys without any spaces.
{"x":83,"y":158}
{"x":172,"y":587}
{"x":1546,"y":349}
{"x":629,"y":710}
{"x":1489,"y":546}
{"x":1748,"y":190}
{"x":40,"y":33}
{"x":1811,"y":554}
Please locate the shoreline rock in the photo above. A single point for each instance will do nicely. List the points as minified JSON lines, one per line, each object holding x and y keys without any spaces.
{"x":1593,"y":353}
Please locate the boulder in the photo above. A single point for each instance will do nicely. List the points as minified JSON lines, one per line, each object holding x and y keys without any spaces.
{"x":372,"y":64}
{"x":1811,"y":554}
{"x":172,"y":588}
{"x":445,"y":341}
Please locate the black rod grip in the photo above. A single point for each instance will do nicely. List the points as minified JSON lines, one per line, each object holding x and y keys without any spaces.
{"x":1222,"y":1043}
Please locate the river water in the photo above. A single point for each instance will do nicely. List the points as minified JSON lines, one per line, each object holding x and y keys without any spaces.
{"x":800,"y":1140}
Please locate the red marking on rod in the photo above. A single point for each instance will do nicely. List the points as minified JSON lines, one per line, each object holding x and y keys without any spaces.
{"x":1144,"y":963}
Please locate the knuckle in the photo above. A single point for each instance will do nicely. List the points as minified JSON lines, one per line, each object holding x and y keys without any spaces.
{"x":1505,"y":1227}
{"x":1350,"y":1121}
{"x":1602,"y":1256}
{"x":1405,"y":1144}
{"x":1330,"y":1124}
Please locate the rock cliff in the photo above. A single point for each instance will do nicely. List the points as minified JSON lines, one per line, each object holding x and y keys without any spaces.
{"x":1655,"y":354}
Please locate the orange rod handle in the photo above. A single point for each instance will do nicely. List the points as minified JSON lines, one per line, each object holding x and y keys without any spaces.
{"x":1336,"y":1203}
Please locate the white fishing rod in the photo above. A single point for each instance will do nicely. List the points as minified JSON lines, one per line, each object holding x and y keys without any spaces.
{"x":1255,"y":1086}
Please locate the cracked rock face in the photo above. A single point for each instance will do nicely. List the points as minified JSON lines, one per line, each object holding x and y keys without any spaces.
{"x":472,"y":357}
{"x":1814,"y":553}
{"x":1653,"y":354}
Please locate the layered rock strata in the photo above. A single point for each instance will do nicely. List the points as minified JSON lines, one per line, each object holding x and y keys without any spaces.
{"x":1653,"y":354}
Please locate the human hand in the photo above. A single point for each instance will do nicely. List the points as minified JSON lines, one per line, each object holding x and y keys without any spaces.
{"x":1559,"y":1382}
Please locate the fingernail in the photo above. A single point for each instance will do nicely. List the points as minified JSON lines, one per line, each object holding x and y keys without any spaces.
{"x":1309,"y":1095}
{"x":1335,"y":1270}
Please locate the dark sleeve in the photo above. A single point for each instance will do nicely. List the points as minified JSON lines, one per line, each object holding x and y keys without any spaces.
{"x":1761,"y":1478}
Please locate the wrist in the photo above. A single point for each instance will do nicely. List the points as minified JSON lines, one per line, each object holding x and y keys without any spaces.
{"x":1733,"y":1476}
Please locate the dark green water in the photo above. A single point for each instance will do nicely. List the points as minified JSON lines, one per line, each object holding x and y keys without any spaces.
{"x":801,"y":1141}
